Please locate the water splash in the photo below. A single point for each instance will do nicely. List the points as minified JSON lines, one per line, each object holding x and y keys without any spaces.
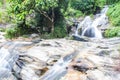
{"x":7,"y":61}
{"x":89,"y":28}
{"x":59,"y":69}
{"x":84,"y":24}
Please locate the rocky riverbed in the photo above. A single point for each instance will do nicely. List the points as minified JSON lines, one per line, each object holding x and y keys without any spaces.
{"x":97,"y":59}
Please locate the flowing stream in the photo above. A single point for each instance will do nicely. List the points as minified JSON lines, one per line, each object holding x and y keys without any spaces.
{"x":59,"y":69}
{"x":7,"y":60}
{"x":87,"y":27}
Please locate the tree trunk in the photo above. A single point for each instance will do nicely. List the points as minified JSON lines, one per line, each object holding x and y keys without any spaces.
{"x":52,"y":22}
{"x":50,"y":18}
{"x":52,"y":27}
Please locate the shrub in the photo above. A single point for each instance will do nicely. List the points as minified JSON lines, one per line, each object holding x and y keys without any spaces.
{"x":114,"y":14}
{"x":73,"y":13}
{"x":86,"y":6}
{"x":11,"y":32}
{"x":112,"y":1}
{"x":3,"y":17}
{"x":59,"y":32}
{"x":115,"y":31}
{"x":2,"y":29}
{"x":114,"y":17}
{"x":100,"y":3}
{"x":16,"y":31}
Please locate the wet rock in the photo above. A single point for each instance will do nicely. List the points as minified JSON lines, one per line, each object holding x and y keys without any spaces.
{"x":103,"y":47}
{"x":115,"y":54}
{"x":34,"y":35}
{"x":80,"y":38}
{"x":38,"y":58}
{"x":28,"y":74}
{"x":83,"y":68}
{"x":17,"y":70}
{"x":50,"y":44}
{"x":53,"y":59}
{"x":38,"y":53}
{"x":104,"y":53}
{"x":6,"y":74}
{"x":96,"y":60}
{"x":2,"y":38}
{"x":91,"y":62}
{"x":45,"y":44}
{"x":82,"y":65}
{"x":36,"y":40}
{"x":97,"y":75}
{"x":74,"y":75}
{"x":44,"y":70}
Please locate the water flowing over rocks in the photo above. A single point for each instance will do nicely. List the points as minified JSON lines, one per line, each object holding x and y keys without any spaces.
{"x":60,"y":59}
{"x":93,"y":27}
{"x":97,"y":62}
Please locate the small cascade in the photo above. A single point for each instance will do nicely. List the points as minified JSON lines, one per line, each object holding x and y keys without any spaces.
{"x":7,"y":62}
{"x":59,"y":69}
{"x":83,"y":25}
{"x":89,"y":28}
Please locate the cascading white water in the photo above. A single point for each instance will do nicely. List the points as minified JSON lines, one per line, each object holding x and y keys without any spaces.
{"x":59,"y":69}
{"x":7,"y":61}
{"x":86,"y":23}
{"x":89,"y":28}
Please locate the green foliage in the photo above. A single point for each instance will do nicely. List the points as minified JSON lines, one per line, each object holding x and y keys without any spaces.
{"x":73,"y":13}
{"x":16,"y":31}
{"x":36,"y":15}
{"x":59,"y":32}
{"x":100,"y":3}
{"x":4,"y":18}
{"x":2,"y":29}
{"x":111,"y":1}
{"x":45,"y":4}
{"x":115,"y":31}
{"x":60,"y":28}
{"x":114,"y":14}
{"x":1,"y":3}
{"x":19,"y":9}
{"x":11,"y":32}
{"x":114,"y":17}
{"x":48,"y":16}
{"x":86,"y":6}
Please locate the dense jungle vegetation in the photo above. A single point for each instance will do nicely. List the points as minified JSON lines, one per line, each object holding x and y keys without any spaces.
{"x":49,"y":18}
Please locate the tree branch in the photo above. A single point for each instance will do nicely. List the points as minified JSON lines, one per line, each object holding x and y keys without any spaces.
{"x":53,"y":15}
{"x":44,"y":14}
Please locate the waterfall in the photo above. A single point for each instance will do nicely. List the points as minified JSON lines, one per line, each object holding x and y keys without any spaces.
{"x":86,"y":22}
{"x":89,"y":27}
